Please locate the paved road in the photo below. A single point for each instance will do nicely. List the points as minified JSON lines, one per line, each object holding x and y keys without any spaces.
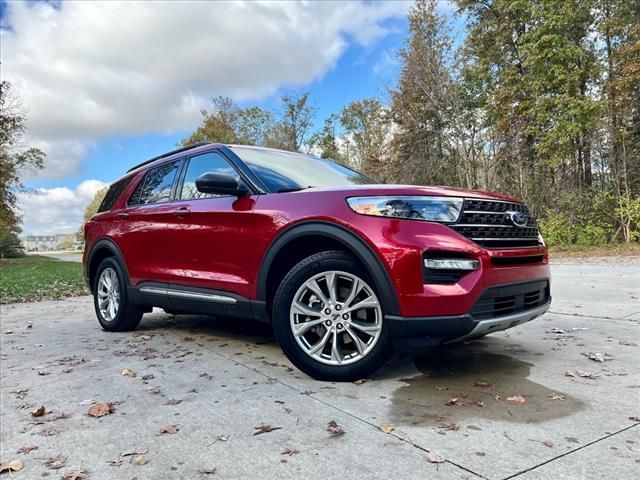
{"x":66,"y":257}
{"x":217,"y":380}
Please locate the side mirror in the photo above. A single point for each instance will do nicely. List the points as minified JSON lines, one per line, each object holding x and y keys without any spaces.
{"x":219,"y":184}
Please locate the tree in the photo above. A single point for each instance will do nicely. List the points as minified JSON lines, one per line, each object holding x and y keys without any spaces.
{"x":326,"y":140}
{"x":367,"y":131}
{"x":296,"y":120}
{"x":425,"y":103}
{"x":91,"y":209}
{"x":218,"y":125}
{"x":15,"y":159}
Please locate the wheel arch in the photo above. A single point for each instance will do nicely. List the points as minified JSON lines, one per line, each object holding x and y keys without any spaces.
{"x":101,"y":249}
{"x":312,"y":237}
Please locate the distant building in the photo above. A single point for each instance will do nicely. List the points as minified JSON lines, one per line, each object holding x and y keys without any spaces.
{"x":43,"y":243}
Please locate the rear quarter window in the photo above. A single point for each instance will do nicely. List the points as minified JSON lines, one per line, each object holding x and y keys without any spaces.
{"x":115,"y":190}
{"x":157,"y":185}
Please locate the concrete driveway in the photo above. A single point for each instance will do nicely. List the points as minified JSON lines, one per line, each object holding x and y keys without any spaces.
{"x":64,"y":256}
{"x":218,"y":383}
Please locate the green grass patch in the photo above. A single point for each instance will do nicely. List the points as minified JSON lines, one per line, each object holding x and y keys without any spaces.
{"x":33,"y":278}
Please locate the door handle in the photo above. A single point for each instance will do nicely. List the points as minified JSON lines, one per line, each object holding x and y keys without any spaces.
{"x":182,"y":212}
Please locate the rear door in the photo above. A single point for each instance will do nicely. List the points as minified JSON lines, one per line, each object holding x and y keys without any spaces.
{"x":147,"y":242}
{"x":214,"y":232}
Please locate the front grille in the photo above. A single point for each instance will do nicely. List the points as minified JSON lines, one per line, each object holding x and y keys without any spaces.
{"x":509,"y":299}
{"x":487,"y":223}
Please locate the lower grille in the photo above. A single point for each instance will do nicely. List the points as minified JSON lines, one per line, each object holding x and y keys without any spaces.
{"x":508,"y":299}
{"x":497,"y":224}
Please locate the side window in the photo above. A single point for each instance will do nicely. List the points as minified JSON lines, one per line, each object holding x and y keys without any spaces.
{"x":113,"y":193}
{"x":156,"y":185}
{"x":209,"y":162}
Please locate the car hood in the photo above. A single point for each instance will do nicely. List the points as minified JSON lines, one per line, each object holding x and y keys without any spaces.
{"x":365,"y":190}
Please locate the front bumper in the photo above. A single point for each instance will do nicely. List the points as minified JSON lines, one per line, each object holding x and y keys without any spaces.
{"x":498,"y":308}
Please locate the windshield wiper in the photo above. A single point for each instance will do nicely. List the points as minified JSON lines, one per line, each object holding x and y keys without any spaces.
{"x":292,"y":189}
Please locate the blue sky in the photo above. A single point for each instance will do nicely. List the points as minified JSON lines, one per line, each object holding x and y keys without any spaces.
{"x":108,"y":84}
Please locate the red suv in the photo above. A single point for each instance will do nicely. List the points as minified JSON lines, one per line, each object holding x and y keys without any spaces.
{"x":344,"y":269}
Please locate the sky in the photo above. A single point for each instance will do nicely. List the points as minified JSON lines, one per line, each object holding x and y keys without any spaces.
{"x":106,"y":85}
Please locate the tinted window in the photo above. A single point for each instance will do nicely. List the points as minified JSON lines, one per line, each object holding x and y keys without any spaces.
{"x":113,"y":193}
{"x":280,"y":170}
{"x":156,"y":185}
{"x":209,"y":162}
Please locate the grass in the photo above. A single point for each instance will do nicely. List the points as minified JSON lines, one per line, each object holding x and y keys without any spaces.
{"x":33,"y":278}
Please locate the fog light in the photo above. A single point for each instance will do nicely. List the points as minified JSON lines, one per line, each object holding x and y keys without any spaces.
{"x":451,"y":264}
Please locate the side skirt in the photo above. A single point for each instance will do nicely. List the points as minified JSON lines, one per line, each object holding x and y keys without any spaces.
{"x":194,"y":300}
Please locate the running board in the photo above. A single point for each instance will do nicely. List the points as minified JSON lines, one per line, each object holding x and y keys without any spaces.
{"x":211,"y":297}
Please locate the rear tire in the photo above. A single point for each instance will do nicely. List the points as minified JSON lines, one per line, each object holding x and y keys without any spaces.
{"x":114,"y":310}
{"x":340,"y":333}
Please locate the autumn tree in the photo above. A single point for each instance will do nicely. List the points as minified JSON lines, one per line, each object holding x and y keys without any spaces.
{"x":15,"y":159}
{"x":326,"y":140}
{"x":296,"y":120}
{"x":366,"y":137}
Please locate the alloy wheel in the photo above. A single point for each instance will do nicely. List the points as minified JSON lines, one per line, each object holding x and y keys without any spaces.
{"x":108,"y":294}
{"x":336,"y":318}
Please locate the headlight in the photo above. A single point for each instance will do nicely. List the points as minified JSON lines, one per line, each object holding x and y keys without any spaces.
{"x":432,"y":209}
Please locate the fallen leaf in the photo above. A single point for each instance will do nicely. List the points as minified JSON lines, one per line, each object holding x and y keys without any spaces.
{"x":440,"y":389}
{"x":516,"y":399}
{"x":265,"y":429}
{"x":147,"y":377}
{"x":116,"y":462}
{"x":569,"y":373}
{"x":84,"y":403}
{"x":139,"y":459}
{"x":586,"y":374}
{"x":207,"y":471}
{"x":38,"y":412}
{"x":433,"y":457}
{"x":100,"y":409}
{"x":387,"y":427}
{"x":290,"y":451}
{"x":628,"y":343}
{"x":334,"y":429}
{"x":595,"y":356}
{"x":172,"y":401}
{"x":79,"y":474}
{"x":170,"y":429}
{"x":556,"y":396}
{"x":449,"y":426}
{"x":56,"y":463}
{"x":27,"y":449}
{"x":127,"y":372}
{"x":482,"y":384}
{"x":12,"y":466}
{"x":635,"y":418}
{"x":452,"y":401}
{"x":547,"y":444}
{"x":135,"y":451}
{"x":360,"y":381}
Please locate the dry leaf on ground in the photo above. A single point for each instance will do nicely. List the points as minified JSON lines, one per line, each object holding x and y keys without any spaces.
{"x":55,"y":463}
{"x":387,"y":427}
{"x":482,"y":384}
{"x":516,"y":399}
{"x":127,"y":372}
{"x":433,"y":457}
{"x":139,"y":459}
{"x":556,"y":396}
{"x":635,"y":418}
{"x":38,"y":412}
{"x":27,"y":448}
{"x":100,"y":409}
{"x":334,"y":429}
{"x":360,"y":381}
{"x":116,"y":462}
{"x":79,"y":474}
{"x":12,"y":466}
{"x":170,"y":429}
{"x":265,"y":429}
{"x":452,"y":401}
{"x":289,"y":451}
{"x":207,"y":471}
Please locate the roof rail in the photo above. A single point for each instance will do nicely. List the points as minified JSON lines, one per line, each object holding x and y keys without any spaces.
{"x":168,"y":154}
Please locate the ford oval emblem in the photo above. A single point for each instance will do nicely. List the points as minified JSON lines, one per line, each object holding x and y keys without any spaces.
{"x":519,"y":219}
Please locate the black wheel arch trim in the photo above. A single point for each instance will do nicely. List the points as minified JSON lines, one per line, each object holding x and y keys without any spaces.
{"x":349,"y":239}
{"x":113,"y":248}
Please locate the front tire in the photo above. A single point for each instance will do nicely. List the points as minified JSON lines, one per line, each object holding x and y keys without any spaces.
{"x":329,"y":320}
{"x":113,"y":309}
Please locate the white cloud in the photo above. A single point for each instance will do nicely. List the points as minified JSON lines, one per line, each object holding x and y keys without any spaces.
{"x":56,"y":210}
{"x":91,"y":69}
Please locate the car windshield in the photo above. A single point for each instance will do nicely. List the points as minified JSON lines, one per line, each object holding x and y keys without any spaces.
{"x":287,"y":171}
